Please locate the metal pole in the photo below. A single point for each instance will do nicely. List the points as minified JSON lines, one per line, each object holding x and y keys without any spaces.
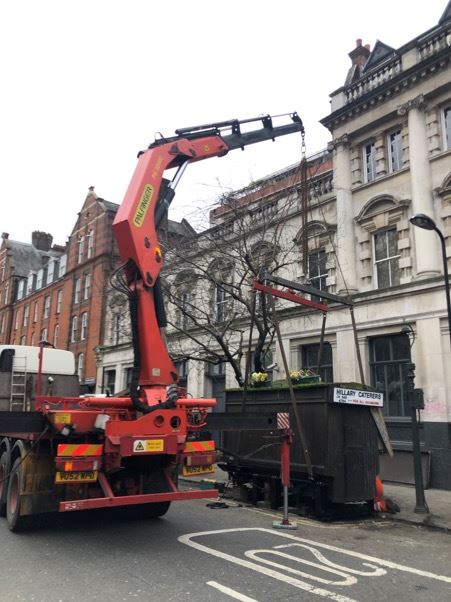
{"x":445,"y":270}
{"x":285,"y":479}
{"x":421,"y":506}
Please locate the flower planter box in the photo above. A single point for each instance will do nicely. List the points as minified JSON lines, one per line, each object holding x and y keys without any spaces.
{"x":305,"y":380}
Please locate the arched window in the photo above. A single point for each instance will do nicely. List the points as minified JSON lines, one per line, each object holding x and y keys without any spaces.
{"x":263,"y":255}
{"x":84,"y":326}
{"x":116,"y":329}
{"x":73,"y":332}
{"x":59,"y":301}
{"x":43,"y":335}
{"x":81,"y":249}
{"x":221,"y":272}
{"x":90,"y":239}
{"x":87,"y":288}
{"x":382,"y":222}
{"x":77,"y":290}
{"x":56,"y":334}
{"x":81,"y":366}
{"x":185,"y":283}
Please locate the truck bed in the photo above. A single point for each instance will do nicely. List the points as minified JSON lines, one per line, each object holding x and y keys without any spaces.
{"x":21,"y":422}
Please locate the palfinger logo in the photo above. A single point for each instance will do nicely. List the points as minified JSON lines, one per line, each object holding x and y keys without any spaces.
{"x":143,"y":206}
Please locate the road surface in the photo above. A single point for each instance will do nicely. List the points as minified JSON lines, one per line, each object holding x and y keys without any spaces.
{"x":221,"y":555}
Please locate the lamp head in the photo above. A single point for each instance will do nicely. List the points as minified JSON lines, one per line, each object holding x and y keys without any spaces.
{"x":423,"y":221}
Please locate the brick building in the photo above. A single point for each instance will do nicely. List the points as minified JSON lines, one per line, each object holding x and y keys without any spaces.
{"x":57,"y":293}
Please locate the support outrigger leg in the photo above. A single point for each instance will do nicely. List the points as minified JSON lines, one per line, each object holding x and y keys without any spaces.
{"x":285,"y":478}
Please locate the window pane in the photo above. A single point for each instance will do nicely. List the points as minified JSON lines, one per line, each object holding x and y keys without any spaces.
{"x":383,"y":274}
{"x":395,"y":150}
{"x":313,"y":264}
{"x":310,"y":360}
{"x":392,"y":239}
{"x":394,"y":389}
{"x":380,"y":245}
{"x":447,"y":114}
{"x":381,"y":349}
{"x":401,"y":347}
{"x":370,"y":162}
{"x":389,"y":356}
{"x":394,"y":271}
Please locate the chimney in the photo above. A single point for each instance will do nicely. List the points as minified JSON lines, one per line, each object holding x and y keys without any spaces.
{"x":41,"y":240}
{"x":360,"y":54}
{"x":91,"y":192}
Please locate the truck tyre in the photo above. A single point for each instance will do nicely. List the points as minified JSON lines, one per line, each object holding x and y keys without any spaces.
{"x":145,"y":511}
{"x":15,"y":521}
{"x":152,"y":510}
{"x":4,"y":471}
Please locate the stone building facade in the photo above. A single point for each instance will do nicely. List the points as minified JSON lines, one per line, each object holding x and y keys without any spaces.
{"x":390,"y":125}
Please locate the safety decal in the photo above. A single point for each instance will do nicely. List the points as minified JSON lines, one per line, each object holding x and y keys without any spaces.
{"x":79,"y":449}
{"x":199,"y":446}
{"x":62,"y":418}
{"x":148,"y":445}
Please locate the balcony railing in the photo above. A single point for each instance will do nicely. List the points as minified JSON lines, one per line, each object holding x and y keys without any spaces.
{"x":434,"y":44}
{"x":373,"y":80}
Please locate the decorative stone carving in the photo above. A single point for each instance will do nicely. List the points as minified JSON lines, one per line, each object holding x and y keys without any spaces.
{"x":416,"y":103}
{"x":337,"y":142}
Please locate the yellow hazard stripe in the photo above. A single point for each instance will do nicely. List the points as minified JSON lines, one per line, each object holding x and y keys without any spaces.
{"x":79,"y":449}
{"x":199,"y":446}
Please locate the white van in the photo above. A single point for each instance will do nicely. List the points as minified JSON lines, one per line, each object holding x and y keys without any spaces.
{"x":54,"y":361}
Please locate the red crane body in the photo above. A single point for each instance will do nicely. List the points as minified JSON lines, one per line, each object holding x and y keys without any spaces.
{"x":95,"y":452}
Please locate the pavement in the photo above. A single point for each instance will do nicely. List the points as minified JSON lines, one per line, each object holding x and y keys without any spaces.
{"x":436,"y":512}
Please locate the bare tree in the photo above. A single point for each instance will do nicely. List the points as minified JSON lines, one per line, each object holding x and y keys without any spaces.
{"x":208,"y":283}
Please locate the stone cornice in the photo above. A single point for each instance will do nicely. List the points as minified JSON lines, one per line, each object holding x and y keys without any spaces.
{"x":393,"y":87}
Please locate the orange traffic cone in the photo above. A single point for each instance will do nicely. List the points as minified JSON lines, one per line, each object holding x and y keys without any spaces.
{"x":380,"y":504}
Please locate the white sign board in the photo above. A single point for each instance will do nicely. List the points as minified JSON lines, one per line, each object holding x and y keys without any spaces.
{"x":360,"y":398}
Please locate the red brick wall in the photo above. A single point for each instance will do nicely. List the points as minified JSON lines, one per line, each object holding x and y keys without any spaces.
{"x":92,"y":217}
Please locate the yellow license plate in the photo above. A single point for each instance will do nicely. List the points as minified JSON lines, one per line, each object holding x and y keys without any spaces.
{"x":189,"y":471}
{"x":82,"y":476}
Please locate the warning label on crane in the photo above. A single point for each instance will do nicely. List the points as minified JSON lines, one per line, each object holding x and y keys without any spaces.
{"x":148,"y":445}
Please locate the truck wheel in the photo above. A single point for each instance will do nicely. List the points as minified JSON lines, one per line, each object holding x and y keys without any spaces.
{"x":4,"y":469}
{"x":152,"y":510}
{"x":15,"y":521}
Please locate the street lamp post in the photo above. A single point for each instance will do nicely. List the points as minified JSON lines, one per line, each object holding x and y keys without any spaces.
{"x":427,"y":223}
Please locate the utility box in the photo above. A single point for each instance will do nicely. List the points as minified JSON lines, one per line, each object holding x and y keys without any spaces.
{"x":342,"y":440}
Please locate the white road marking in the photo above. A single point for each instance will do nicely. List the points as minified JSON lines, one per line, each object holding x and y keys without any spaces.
{"x":231,"y":592}
{"x":367,"y":561}
{"x":186,"y":539}
{"x":376,"y":572}
{"x":256,"y":555}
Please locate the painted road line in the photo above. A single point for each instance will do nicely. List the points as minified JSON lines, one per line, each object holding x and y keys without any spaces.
{"x":283,"y":577}
{"x":231,"y":592}
{"x":372,"y":559}
{"x":374,"y":567}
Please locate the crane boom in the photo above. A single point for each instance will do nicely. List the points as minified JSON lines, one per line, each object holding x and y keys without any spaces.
{"x":146,"y":202}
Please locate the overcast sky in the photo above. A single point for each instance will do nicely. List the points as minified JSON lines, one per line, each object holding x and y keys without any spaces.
{"x":87,"y":84}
